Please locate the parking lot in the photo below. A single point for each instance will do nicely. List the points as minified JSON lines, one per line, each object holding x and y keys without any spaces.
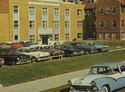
{"x":121,"y":90}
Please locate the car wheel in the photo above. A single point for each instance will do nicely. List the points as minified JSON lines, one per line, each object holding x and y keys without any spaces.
{"x":33,"y":59}
{"x":105,"y":89}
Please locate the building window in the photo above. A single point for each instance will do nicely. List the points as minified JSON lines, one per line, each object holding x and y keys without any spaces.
{"x":79,"y":12}
{"x":114,"y":24}
{"x":107,"y":10}
{"x":113,"y":10}
{"x":31,"y":24}
{"x":107,"y":24}
{"x":56,"y":37}
{"x":79,"y":24}
{"x":15,"y":24}
{"x":113,"y":36}
{"x":56,"y":11}
{"x":101,"y":11}
{"x":87,"y":1}
{"x":66,"y":24}
{"x":44,"y":24}
{"x":92,"y":1}
{"x":56,"y":24}
{"x":101,"y":36}
{"x":16,"y":37}
{"x":15,"y":9}
{"x":123,"y":36}
{"x":123,"y":9}
{"x":101,"y":24}
{"x":79,"y":35}
{"x":44,"y":11}
{"x":32,"y":38}
{"x":31,"y":10}
{"x":67,"y":12}
{"x":67,"y":36}
{"x":123,"y":23}
{"x":107,"y":36}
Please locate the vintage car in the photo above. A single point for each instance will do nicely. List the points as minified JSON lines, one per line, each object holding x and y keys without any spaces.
{"x":12,"y":57}
{"x":53,"y":51}
{"x":70,"y":50}
{"x":92,"y":47}
{"x":101,"y":78}
{"x":34,"y":53}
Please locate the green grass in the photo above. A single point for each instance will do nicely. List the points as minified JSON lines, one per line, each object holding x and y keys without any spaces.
{"x":22,"y":73}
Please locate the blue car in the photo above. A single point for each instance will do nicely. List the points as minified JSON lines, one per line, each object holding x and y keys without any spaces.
{"x":101,"y":78}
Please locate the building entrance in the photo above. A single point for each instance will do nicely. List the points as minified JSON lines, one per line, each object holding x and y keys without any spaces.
{"x":45,"y":39}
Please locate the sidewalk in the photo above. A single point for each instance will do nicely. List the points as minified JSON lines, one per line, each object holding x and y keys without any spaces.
{"x":45,"y":83}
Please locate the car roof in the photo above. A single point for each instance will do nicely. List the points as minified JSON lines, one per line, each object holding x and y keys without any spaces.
{"x":109,"y":64}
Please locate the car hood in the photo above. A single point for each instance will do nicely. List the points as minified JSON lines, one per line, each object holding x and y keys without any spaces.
{"x":86,"y":80}
{"x":100,"y":46}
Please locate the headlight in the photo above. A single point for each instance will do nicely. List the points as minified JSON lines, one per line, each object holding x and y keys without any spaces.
{"x":18,"y":58}
{"x":93,"y":83}
{"x":69,"y":83}
{"x":94,"y":87}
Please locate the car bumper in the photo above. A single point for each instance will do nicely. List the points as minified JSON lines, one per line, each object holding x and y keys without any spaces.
{"x":81,"y":91}
{"x":43,"y":58}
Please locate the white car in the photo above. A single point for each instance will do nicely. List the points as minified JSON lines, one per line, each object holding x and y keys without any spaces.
{"x":34,"y":53}
{"x":101,"y":78}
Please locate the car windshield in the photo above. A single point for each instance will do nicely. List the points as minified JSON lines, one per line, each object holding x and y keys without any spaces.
{"x":100,"y":70}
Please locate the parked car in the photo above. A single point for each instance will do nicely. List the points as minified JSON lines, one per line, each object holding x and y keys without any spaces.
{"x":12,"y":57}
{"x":1,"y":62}
{"x":34,"y":53}
{"x":71,"y":50}
{"x":101,"y":78}
{"x":53,"y":51}
{"x":92,"y":47}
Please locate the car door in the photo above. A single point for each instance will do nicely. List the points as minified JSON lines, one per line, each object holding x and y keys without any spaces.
{"x":122,"y":69}
{"x":117,"y":76}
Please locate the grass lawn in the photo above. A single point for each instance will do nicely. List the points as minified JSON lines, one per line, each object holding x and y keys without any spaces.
{"x":22,"y":73}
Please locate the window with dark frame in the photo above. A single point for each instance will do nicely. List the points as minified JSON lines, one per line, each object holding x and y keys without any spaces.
{"x":44,"y":11}
{"x":15,"y":24}
{"x":31,"y":10}
{"x":15,"y":9}
{"x":31,"y":24}
{"x":79,"y":12}
{"x":16,"y":37}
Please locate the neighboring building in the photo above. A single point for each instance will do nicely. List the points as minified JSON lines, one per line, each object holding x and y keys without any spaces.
{"x":110,"y":19}
{"x":41,"y":21}
{"x":90,"y":19}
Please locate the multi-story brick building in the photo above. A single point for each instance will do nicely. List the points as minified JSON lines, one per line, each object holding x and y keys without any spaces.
{"x":40,"y":20}
{"x":104,"y":19}
{"x":110,"y":19}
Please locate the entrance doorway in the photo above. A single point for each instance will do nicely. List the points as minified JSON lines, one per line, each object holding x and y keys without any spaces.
{"x":45,"y":39}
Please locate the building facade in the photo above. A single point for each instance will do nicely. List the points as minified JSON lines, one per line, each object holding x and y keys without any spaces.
{"x":40,"y":21}
{"x":110,"y":19}
{"x":104,"y":19}
{"x":90,"y":19}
